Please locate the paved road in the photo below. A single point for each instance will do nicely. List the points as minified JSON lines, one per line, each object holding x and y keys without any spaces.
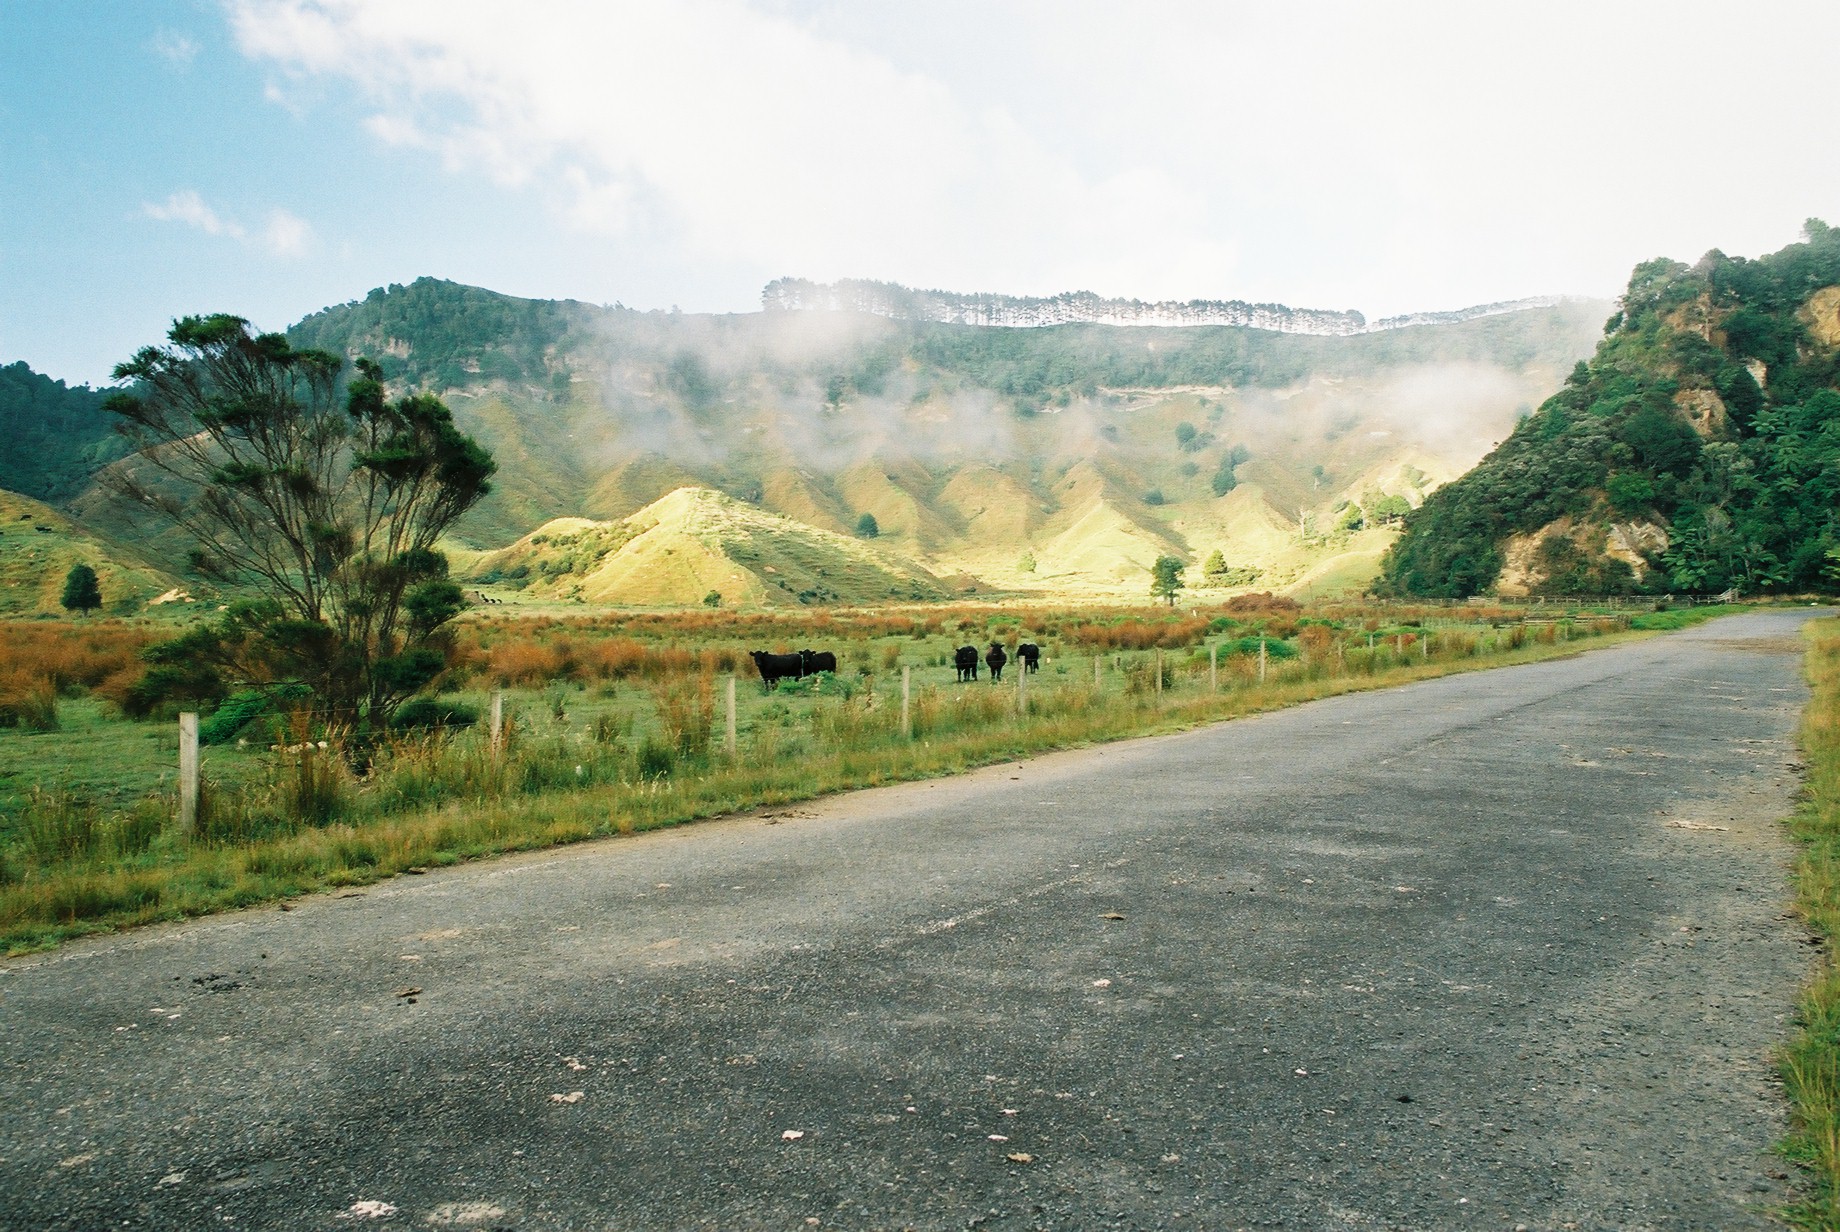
{"x":1503,"y":949}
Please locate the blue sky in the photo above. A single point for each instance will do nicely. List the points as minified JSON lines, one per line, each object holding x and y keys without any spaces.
{"x":271,"y":157}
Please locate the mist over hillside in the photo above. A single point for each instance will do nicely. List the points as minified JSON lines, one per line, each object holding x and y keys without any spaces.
{"x":1060,"y":458}
{"x":889,"y":299}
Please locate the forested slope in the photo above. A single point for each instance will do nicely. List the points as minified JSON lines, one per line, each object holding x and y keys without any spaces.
{"x":1699,"y":450}
{"x":55,"y":436}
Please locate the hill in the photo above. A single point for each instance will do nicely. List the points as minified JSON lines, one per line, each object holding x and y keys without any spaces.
{"x":1698,"y":450}
{"x":695,"y":543}
{"x":38,"y":547}
{"x":1055,"y":458}
{"x":56,"y":435}
{"x":1063,"y":457}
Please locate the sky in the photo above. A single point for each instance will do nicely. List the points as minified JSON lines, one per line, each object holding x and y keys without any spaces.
{"x":273,"y":157}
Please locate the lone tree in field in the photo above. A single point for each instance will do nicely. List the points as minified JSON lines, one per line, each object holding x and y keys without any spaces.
{"x":1166,"y":578}
{"x":327,"y":510}
{"x":82,"y":594}
{"x":867,"y":527}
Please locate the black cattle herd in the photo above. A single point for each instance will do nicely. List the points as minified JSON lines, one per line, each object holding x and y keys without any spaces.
{"x":777,"y":667}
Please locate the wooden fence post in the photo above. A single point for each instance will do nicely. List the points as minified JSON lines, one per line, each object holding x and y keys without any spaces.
{"x":1261,"y":660}
{"x":907,"y":722}
{"x":731,"y":742}
{"x":1159,"y":674}
{"x":498,"y":721}
{"x":188,"y":772}
{"x":1022,"y":687}
{"x":1214,"y":668}
{"x":1098,"y":671}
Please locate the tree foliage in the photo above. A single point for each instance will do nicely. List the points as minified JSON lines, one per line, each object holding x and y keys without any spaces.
{"x":82,"y":593}
{"x":1166,"y":578}
{"x":1747,"y":492}
{"x":325,"y":510}
{"x":56,"y":435}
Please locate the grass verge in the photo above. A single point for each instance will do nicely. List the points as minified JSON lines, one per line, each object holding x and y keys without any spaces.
{"x":847,"y":747}
{"x":1810,"y":1063}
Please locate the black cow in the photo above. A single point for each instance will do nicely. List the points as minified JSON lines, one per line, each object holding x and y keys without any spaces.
{"x":1029,"y":655}
{"x":811,"y":662}
{"x":994,"y":658}
{"x":777,"y":667}
{"x":965,"y":660}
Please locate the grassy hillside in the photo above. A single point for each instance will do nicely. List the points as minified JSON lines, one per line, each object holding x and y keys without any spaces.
{"x":695,"y":543}
{"x":1699,"y":450}
{"x":1064,"y":458}
{"x":972,"y":448}
{"x":38,"y":547}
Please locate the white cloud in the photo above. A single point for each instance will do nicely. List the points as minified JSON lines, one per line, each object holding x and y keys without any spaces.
{"x":741,"y":136}
{"x":189,"y":208}
{"x":1383,"y":157}
{"x":283,"y":233}
{"x":176,"y":49}
{"x":286,"y":235}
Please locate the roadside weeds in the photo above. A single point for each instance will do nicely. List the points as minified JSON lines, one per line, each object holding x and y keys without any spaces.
{"x":1810,"y":1063}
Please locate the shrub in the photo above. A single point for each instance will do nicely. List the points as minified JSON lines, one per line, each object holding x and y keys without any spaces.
{"x":423,"y":713}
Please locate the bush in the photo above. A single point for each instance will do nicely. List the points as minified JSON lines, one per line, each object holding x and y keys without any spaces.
{"x":423,"y":713}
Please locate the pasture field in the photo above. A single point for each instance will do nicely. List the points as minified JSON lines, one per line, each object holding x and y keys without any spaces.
{"x":617,"y":722}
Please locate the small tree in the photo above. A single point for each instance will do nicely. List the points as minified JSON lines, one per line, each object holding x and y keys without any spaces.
{"x":82,"y":594}
{"x":866,"y":526}
{"x":327,"y":513}
{"x":1166,"y":578}
{"x":1215,"y":567}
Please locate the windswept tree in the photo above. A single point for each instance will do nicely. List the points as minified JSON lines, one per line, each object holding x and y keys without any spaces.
{"x":82,"y":593}
{"x":1166,"y":578}
{"x":326,"y":509}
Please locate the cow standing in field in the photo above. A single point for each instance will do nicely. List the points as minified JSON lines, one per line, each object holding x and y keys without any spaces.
{"x":994,"y":659}
{"x":965,"y":660}
{"x":1029,"y":655}
{"x":777,"y":667}
{"x":811,"y":662}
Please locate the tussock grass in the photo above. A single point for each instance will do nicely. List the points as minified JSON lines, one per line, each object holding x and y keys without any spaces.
{"x":1810,"y":1063}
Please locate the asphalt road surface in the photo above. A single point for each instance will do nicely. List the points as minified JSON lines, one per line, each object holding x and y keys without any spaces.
{"x":1505,"y":949}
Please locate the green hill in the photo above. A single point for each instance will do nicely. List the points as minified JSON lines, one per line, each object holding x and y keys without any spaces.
{"x":971,"y":446}
{"x":38,"y":546}
{"x":1698,"y":450}
{"x":1061,"y":458}
{"x":56,"y":436}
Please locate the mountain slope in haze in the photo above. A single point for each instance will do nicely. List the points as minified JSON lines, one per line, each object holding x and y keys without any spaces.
{"x":966,"y":443}
{"x":1698,"y":450}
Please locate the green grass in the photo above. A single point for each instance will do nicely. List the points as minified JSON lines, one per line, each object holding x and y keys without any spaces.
{"x":1810,"y":1063}
{"x":613,"y":761}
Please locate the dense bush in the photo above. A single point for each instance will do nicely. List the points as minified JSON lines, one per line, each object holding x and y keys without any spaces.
{"x":1753,"y":503}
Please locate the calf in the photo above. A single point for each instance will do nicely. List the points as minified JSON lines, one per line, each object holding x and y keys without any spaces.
{"x":994,"y":658}
{"x":811,"y":662}
{"x":1029,"y":655}
{"x":965,"y":660}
